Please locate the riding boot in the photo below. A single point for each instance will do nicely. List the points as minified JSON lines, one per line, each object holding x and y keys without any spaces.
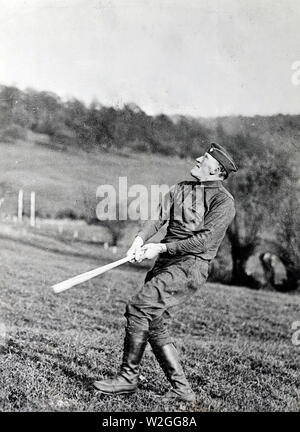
{"x":127,"y":379}
{"x":168,"y":359}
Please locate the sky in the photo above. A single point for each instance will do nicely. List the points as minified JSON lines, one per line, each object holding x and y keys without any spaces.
{"x":195,"y":57}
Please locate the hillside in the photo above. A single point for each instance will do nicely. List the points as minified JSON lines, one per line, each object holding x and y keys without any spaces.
{"x":65,"y":180}
{"x":235,"y":343}
{"x":61,"y":180}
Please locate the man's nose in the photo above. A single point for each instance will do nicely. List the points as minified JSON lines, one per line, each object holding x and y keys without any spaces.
{"x":199,"y":159}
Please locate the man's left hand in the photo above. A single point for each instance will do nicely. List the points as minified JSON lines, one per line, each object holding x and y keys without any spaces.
{"x":152,"y":250}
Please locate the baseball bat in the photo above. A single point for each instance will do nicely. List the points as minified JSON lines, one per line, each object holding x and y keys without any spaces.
{"x":83,"y":277}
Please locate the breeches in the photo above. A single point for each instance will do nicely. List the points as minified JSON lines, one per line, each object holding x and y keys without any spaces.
{"x":167,"y":288}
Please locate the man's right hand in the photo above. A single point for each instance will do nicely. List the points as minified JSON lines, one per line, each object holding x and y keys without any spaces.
{"x":135,"y":251}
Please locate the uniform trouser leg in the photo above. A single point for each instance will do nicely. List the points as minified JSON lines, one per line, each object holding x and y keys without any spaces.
{"x":166,"y":290}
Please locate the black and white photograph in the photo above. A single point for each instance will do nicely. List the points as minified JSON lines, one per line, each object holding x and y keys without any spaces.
{"x":149,"y":209}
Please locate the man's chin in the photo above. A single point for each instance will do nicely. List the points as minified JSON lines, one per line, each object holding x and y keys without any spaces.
{"x":195,"y":175}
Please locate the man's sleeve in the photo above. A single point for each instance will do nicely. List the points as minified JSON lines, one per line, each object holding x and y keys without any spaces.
{"x":152,"y":226}
{"x":216,"y":223}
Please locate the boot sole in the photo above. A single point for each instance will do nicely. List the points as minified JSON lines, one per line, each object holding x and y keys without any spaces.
{"x":116,"y":393}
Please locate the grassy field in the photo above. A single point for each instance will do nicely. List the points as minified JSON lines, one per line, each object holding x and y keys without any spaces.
{"x":61,"y":180}
{"x":235,"y":343}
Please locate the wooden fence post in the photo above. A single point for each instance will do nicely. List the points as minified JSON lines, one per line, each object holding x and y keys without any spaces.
{"x":32,"y":209}
{"x":20,"y":205}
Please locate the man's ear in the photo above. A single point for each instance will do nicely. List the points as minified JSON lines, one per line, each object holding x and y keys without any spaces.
{"x":215,"y":171}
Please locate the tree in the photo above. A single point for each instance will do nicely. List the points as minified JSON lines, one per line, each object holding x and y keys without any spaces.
{"x":47,"y":109}
{"x":257,"y":189}
{"x":288,"y":235}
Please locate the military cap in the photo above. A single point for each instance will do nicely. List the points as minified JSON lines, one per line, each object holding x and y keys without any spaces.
{"x":223,"y":157}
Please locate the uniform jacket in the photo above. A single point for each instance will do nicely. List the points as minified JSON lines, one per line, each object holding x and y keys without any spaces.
{"x":198,"y":215}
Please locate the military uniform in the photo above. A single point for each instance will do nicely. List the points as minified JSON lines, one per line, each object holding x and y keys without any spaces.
{"x":198,"y":215}
{"x":193,"y":237}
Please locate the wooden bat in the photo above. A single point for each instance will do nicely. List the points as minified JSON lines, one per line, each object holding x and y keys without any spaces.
{"x":83,"y":277}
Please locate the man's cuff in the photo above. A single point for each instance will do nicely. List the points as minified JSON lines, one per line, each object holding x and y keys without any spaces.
{"x":163,"y":248}
{"x":171,"y":248}
{"x":142,"y":235}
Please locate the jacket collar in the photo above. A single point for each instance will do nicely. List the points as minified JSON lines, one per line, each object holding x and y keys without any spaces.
{"x":211,"y":184}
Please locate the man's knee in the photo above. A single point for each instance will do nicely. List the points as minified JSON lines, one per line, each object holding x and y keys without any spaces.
{"x":158,"y":324}
{"x":136,"y":319}
{"x":136,"y":309}
{"x":158,"y":332}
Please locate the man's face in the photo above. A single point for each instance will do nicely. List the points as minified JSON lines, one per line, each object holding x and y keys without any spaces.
{"x":205,"y":166}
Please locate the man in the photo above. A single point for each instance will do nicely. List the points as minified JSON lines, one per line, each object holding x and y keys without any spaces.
{"x":199,"y":213}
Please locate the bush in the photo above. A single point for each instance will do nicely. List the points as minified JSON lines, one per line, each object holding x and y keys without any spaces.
{"x":12,"y":133}
{"x":67,"y":214}
{"x":139,"y":146}
{"x":42,"y":214}
{"x":168,"y":148}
